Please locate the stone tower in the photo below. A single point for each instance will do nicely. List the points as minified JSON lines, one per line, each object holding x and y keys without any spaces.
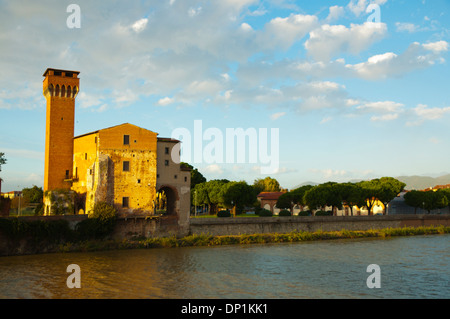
{"x":60,"y":87}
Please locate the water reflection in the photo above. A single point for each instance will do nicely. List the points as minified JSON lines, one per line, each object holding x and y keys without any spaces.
{"x":412,"y":267}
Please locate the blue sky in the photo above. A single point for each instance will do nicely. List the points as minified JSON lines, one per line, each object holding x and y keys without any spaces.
{"x":351,"y":99}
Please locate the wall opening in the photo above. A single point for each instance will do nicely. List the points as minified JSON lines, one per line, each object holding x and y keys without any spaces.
{"x":166,"y":201}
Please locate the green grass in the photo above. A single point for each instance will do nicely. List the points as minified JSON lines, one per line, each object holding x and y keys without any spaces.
{"x":215,"y":216}
{"x":209,"y":240}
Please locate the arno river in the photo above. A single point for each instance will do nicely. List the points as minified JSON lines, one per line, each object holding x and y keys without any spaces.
{"x":409,"y":267}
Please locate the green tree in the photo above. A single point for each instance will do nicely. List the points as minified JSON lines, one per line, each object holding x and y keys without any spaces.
{"x":435,"y":200}
{"x":323,"y":195}
{"x":238,"y":194}
{"x":428,"y":200}
{"x":286,"y":201}
{"x":267,"y":184}
{"x":389,"y":188}
{"x":210,"y":193}
{"x":352,"y":195}
{"x":33,"y":195}
{"x":415,"y":199}
{"x":293,"y":197}
{"x":370,"y":192}
{"x":2,"y":160}
{"x":299,"y":193}
{"x":200,"y":195}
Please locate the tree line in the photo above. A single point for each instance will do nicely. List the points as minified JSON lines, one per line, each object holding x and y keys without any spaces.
{"x":217,"y":194}
{"x":336,"y":195}
{"x":222,"y":193}
{"x":428,"y":200}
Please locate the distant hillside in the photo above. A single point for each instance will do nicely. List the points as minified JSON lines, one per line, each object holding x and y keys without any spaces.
{"x":422,"y":182}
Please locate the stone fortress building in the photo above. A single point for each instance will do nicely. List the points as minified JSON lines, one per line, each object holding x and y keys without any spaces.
{"x":126,"y":166}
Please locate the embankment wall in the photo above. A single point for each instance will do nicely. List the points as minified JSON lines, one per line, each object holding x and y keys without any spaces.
{"x":255,"y":225}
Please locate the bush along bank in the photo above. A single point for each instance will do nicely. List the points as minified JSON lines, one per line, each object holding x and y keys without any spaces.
{"x":209,"y":240}
{"x":19,"y":237}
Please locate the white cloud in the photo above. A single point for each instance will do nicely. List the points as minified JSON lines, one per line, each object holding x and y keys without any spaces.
{"x":434,"y":113}
{"x":139,"y":25}
{"x":192,"y":12}
{"x":436,"y":47}
{"x":380,"y":107}
{"x":246,"y":27}
{"x":165,"y":101}
{"x":325,"y":120}
{"x":360,"y":6}
{"x":389,"y":64}
{"x":335,"y":13}
{"x":405,"y":26}
{"x":385,"y":117}
{"x":283,"y":32}
{"x":212,"y":169}
{"x":331,"y":40}
{"x":275,"y":116}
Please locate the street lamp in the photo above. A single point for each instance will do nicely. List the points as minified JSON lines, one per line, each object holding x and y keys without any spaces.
{"x":232,"y":207}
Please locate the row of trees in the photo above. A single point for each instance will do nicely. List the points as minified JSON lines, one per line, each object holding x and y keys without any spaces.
{"x":227,"y":194}
{"x":223,"y":193}
{"x":428,"y":200}
{"x":335,"y":195}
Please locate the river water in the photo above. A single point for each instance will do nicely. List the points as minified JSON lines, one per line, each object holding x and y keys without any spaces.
{"x":409,"y":267}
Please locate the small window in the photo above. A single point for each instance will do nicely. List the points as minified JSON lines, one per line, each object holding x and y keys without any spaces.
{"x":157,"y":175}
{"x":175,"y":176}
{"x":126,"y":166}
{"x":67,"y":173}
{"x":126,"y":140}
{"x":85,"y":156}
{"x":125,"y":202}
{"x":139,"y":181}
{"x":95,"y":141}
{"x":166,"y":162}
{"x":166,"y":150}
{"x":185,"y":178}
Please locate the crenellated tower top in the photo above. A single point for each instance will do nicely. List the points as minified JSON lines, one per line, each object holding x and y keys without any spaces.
{"x":61,"y":83}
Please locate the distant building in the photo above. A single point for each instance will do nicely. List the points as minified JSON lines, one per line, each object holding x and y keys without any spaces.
{"x":269,"y":200}
{"x":12,"y":194}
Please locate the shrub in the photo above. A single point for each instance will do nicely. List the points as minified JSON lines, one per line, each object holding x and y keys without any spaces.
{"x":305,"y":213}
{"x":264,"y":213}
{"x":103,"y":211}
{"x":224,"y":213}
{"x":324,"y":213}
{"x":99,"y":224}
{"x":284,"y":212}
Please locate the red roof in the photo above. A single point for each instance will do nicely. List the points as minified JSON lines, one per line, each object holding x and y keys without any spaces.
{"x":270,"y":195}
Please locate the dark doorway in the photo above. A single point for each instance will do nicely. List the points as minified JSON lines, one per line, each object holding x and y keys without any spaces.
{"x":166,"y":199}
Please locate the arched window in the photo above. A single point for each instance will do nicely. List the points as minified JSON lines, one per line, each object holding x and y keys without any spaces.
{"x":75,"y":91}
{"x":57,"y":90}
{"x":51,"y":89}
{"x":63,"y":91}
{"x":69,"y":91}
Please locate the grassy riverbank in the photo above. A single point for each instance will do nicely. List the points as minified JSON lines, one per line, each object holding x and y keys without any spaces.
{"x":208,"y":240}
